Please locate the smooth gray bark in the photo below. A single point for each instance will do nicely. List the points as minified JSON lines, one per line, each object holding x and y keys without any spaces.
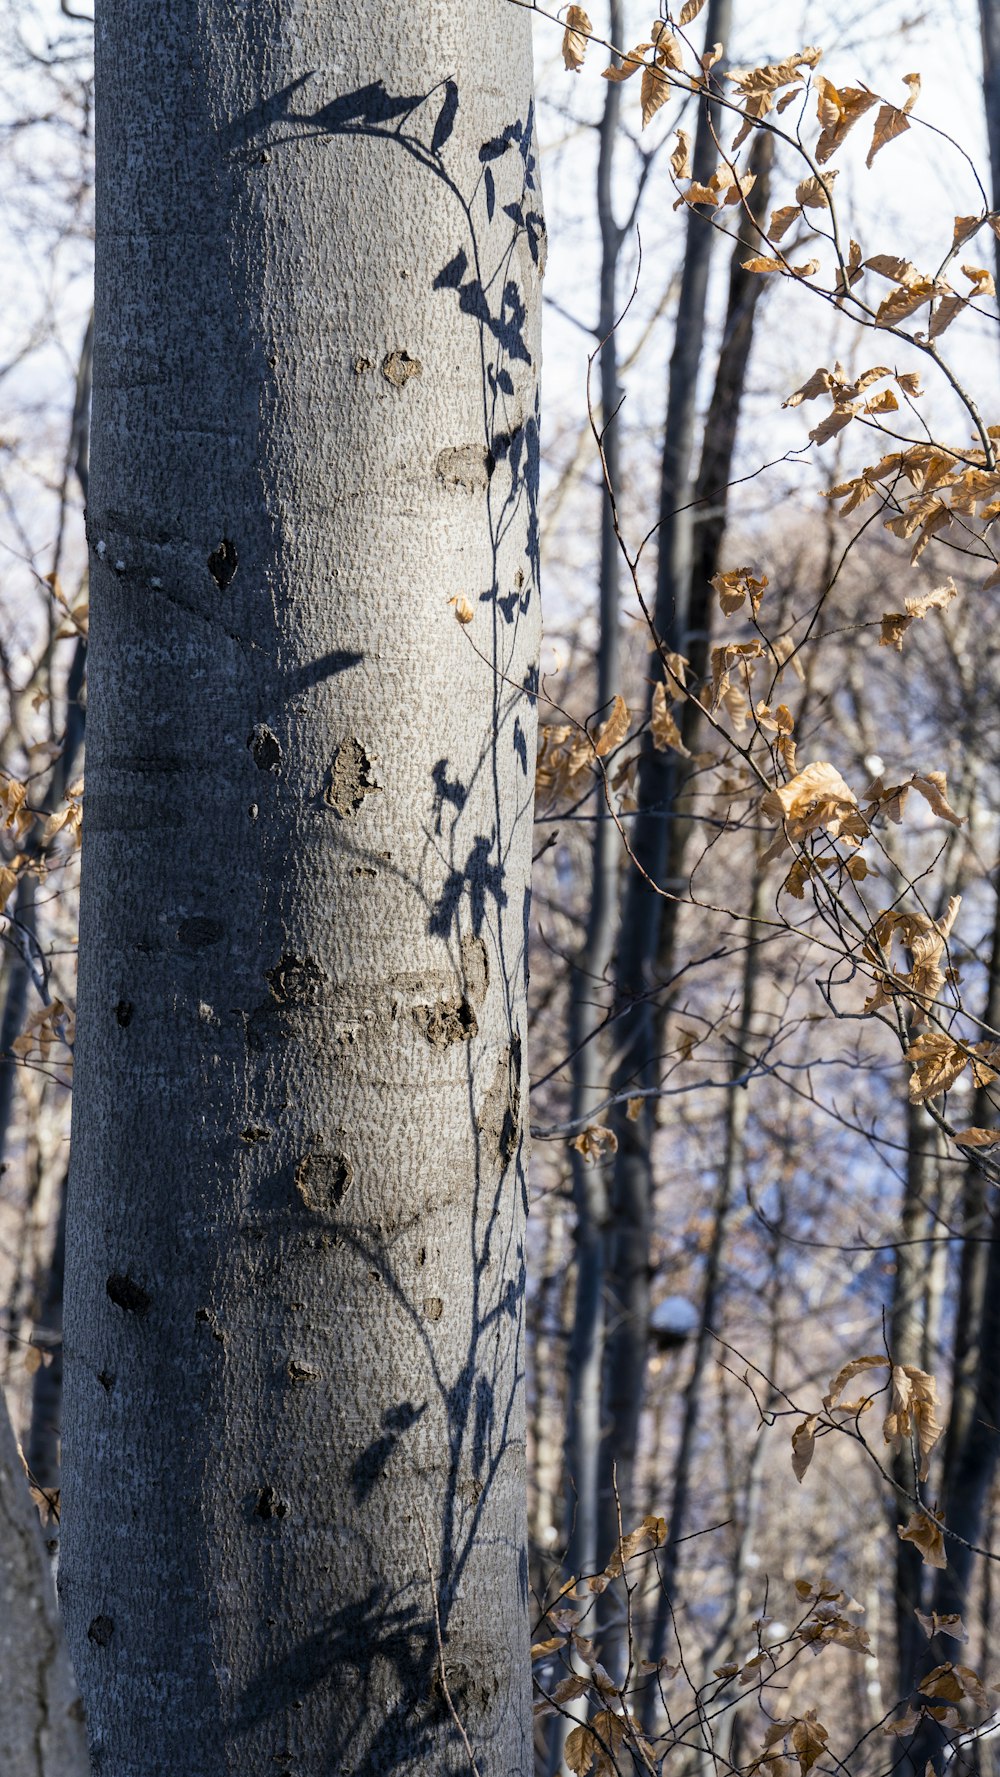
{"x":41,"y":1720}
{"x":293,"y":1432}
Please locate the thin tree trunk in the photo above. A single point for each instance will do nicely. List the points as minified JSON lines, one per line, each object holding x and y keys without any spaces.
{"x":628,"y":1281}
{"x":294,"y":1530}
{"x":730,"y":1172}
{"x":41,"y":1720}
{"x":907,"y":1346}
{"x":989,"y":21}
{"x":588,"y":984}
{"x":590,"y":969}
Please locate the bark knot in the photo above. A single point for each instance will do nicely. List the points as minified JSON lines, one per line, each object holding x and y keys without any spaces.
{"x":351,"y":779}
{"x":321,"y":1179}
{"x":128,"y":1295}
{"x":398,"y":367}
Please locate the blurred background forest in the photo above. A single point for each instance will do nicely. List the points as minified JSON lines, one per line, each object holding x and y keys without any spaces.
{"x":763,"y":1019}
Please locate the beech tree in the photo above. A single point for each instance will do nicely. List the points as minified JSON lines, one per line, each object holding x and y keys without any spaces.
{"x":294,"y":1521}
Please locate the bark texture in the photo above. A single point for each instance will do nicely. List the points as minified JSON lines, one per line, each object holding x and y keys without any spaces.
{"x":293,"y":1435}
{"x":41,"y":1721}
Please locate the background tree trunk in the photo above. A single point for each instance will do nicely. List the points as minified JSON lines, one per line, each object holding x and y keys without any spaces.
{"x":41,"y":1721}
{"x":294,"y":1524}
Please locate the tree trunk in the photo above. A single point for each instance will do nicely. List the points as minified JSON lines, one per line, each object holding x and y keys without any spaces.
{"x":294,"y":1524}
{"x":906,"y":1344}
{"x":989,"y":20}
{"x":729,"y":1177}
{"x":41,"y":1721}
{"x":591,"y":965}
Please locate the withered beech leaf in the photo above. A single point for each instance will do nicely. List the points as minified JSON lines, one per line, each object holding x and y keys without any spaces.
{"x":890,"y":123}
{"x":630,"y":64}
{"x":612,"y":732}
{"x":574,"y":43}
{"x":662,"y":726}
{"x":937,"y":1062}
{"x":803,"y":1446}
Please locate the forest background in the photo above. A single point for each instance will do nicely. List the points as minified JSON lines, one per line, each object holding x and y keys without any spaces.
{"x":737,"y":1189}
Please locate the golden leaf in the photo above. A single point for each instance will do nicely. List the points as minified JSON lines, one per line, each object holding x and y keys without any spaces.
{"x":890,"y":123}
{"x":803,"y":1446}
{"x":814,"y":193}
{"x":592,"y":1141}
{"x":541,"y":1648}
{"x":663,"y":727}
{"x":781,"y":221}
{"x":815,"y":797}
{"x":633,"y":1109}
{"x":809,"y":1738}
{"x":630,"y":64}
{"x":690,"y":11}
{"x":980,"y":279}
{"x":655,"y":92}
{"x":650,"y":1534}
{"x":736,"y":586}
{"x":680,"y":160}
{"x":762,"y":264}
{"x":463,"y":610}
{"x":978,"y":1138}
{"x":904,"y":1724}
{"x":847,"y":1372}
{"x":894,"y":626}
{"x":944,"y":314}
{"x":912,"y":1412}
{"x":724,"y":660}
{"x":950,"y":1625}
{"x":937,"y":1063}
{"x":965,"y":228}
{"x":612,"y":732}
{"x":905,"y":302}
{"x":574,"y":43}
{"x":943,"y":1682}
{"x":838,"y":110}
{"x":933,"y":787}
{"x":32,"y":1359}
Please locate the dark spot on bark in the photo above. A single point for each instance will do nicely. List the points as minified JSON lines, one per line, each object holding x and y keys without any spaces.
{"x":300,"y":1372}
{"x":398,"y":367}
{"x":222,"y":564}
{"x":351,"y":779}
{"x":253,"y":1132}
{"x":198,"y":933}
{"x":207,"y":1317}
{"x":296,"y":981}
{"x":475,"y":968}
{"x":253,"y":811}
{"x":500,"y":1117}
{"x":107,"y":1380}
{"x":448,"y":1021}
{"x":128,"y":1295}
{"x":363,"y":364}
{"x":269,"y":1505}
{"x":433,"y":1307}
{"x":123,"y":1013}
{"x":322,"y":1178}
{"x":264,"y":747}
{"x":468,"y":466}
{"x":268,"y":1024}
{"x":101,"y":1631}
{"x":422,"y":1256}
